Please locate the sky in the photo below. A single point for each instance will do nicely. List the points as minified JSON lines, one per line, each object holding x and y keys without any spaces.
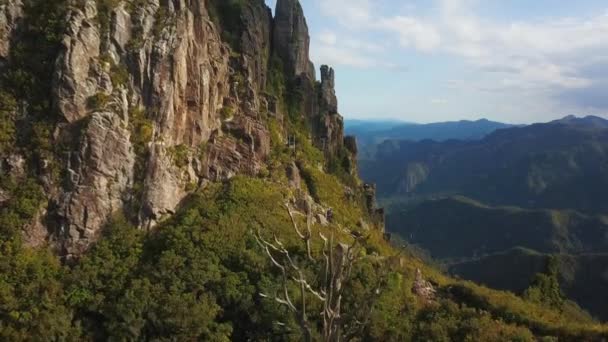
{"x":516,"y":61}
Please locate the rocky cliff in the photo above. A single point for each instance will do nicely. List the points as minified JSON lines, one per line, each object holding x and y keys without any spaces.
{"x":148,"y":100}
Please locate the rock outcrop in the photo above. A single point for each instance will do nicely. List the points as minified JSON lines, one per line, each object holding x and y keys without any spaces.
{"x":291,"y":39}
{"x":100,"y":172}
{"x":423,"y":288}
{"x":80,"y":74}
{"x":154,"y":101}
{"x":377,"y":214}
{"x":11,"y":12}
{"x":256,"y":42}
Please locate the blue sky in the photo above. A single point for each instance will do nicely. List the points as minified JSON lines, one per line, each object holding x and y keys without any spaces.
{"x":517,"y":61}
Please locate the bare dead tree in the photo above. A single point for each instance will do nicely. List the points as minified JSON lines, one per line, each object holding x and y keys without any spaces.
{"x":337,"y":259}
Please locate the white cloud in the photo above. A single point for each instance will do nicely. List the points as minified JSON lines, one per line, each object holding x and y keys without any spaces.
{"x":544,"y":59}
{"x":334,"y":55}
{"x":328,"y":38}
{"x":412,"y":32}
{"x":351,"y":13}
{"x":335,"y":50}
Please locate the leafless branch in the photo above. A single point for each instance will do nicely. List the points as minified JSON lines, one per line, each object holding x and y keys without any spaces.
{"x":337,"y":259}
{"x":304,"y":236}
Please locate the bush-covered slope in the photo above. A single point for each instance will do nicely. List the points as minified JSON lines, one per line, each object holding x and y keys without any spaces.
{"x":200,"y":275}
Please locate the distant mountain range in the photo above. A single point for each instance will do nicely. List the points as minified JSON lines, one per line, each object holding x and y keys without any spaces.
{"x":562,"y":164}
{"x":370,"y":133}
{"x":494,"y":209}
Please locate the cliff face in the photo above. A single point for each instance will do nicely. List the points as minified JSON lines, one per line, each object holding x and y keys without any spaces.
{"x":291,"y":39}
{"x":155,"y":98}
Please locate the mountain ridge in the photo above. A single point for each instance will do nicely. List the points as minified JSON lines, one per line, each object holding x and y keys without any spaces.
{"x":523,"y":166}
{"x":372,"y":134}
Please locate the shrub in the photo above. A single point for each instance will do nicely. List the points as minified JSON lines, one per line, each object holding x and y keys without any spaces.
{"x":227,"y":112}
{"x":180,"y":154}
{"x":8,"y":106}
{"x":98,"y":101}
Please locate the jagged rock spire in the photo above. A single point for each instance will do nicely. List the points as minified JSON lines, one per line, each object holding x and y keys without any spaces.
{"x":291,"y":39}
{"x":329,"y":101}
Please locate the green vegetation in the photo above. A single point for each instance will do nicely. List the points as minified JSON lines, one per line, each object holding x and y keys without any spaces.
{"x":104,"y":16}
{"x":200,"y":275}
{"x":119,"y":75}
{"x":285,"y":90}
{"x":28,"y":78}
{"x":545,"y":287}
{"x":474,"y":240}
{"x":440,"y":225}
{"x":142,"y":132}
{"x":276,"y":77}
{"x":32,"y":298}
{"x":26,"y":198}
{"x":227,"y":112}
{"x":226,"y":15}
{"x":342,"y":166}
{"x":179,"y":155}
{"x":31,"y":295}
{"x":8,"y":106}
{"x":530,"y":167}
{"x":98,"y":101}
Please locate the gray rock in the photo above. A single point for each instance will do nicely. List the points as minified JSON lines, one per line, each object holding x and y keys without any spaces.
{"x":322,"y":220}
{"x":121,"y":32}
{"x":102,"y":172}
{"x":422,"y":288}
{"x":329,"y":101}
{"x":350,"y":142}
{"x":163,"y":188}
{"x":256,"y":41}
{"x":291,"y":38}
{"x":78,"y":75}
{"x":293,"y":175}
{"x":10,"y":13}
{"x":181,"y":73}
